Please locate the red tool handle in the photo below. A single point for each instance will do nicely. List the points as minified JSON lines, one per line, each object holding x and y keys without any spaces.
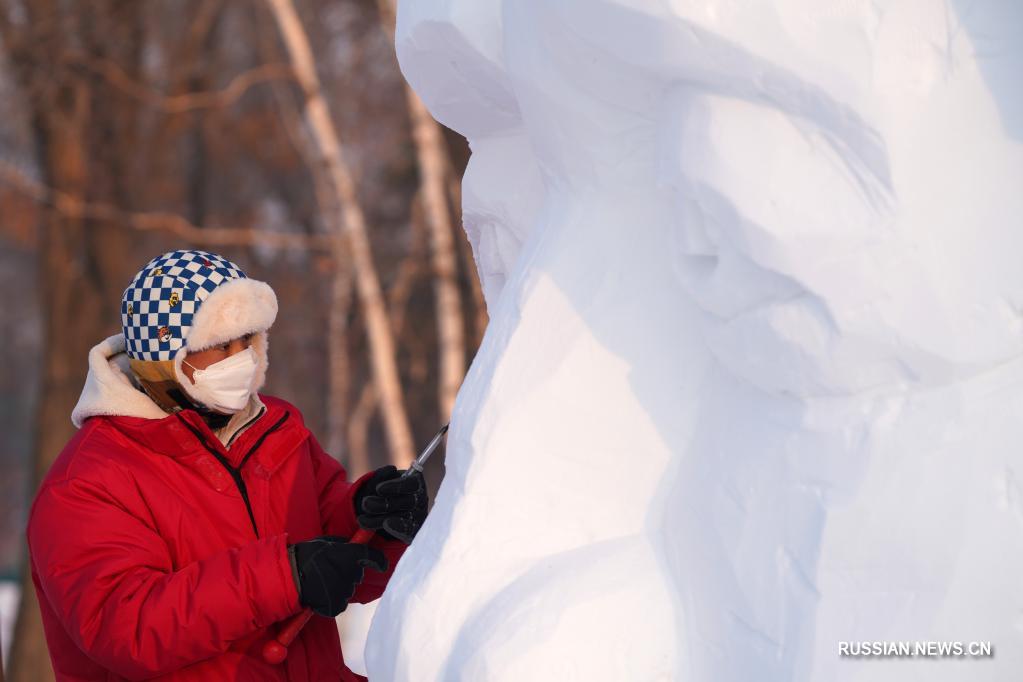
{"x":276,"y":650}
{"x":362,"y":537}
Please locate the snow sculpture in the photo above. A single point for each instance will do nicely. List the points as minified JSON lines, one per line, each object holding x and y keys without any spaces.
{"x":753,"y":382}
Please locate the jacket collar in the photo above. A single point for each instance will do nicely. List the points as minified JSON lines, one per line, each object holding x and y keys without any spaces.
{"x":185,"y":434}
{"x":110,"y":391}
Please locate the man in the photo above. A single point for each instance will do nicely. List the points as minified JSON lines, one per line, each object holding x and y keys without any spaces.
{"x":190,"y":515}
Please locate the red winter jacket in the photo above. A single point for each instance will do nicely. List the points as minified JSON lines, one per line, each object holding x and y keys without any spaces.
{"x":151,"y":560}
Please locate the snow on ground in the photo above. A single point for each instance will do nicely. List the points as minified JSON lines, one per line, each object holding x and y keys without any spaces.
{"x":10,"y":592}
{"x":753,"y":378}
{"x":353,"y":625}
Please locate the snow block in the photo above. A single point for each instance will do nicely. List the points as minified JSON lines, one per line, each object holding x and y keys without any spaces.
{"x":753,"y":381}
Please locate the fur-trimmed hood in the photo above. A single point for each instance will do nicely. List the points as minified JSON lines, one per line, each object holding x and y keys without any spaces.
{"x":112,"y":390}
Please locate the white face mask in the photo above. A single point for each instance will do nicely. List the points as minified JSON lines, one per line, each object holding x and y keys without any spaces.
{"x":224,"y":386}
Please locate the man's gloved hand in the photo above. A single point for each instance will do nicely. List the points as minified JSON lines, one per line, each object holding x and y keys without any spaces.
{"x":328,"y":569}
{"x":393,"y":506}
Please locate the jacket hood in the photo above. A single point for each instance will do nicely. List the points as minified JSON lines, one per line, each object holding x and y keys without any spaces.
{"x":110,"y":388}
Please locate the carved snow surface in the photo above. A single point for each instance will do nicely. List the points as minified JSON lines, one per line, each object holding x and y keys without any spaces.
{"x":753,"y":382}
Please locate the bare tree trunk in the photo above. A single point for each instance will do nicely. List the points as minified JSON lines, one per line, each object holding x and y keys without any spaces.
{"x":448,"y":301}
{"x":397,"y":301}
{"x":80,"y":137}
{"x":357,"y":429}
{"x":59,"y":121}
{"x":433,"y":161}
{"x":338,"y":366}
{"x":69,"y":321}
{"x":381,"y":341}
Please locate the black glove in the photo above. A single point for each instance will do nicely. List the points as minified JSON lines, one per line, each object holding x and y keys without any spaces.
{"x":393,"y":506}
{"x":329,"y":569}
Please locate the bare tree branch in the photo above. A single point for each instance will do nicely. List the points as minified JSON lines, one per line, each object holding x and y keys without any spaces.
{"x":189,"y":101}
{"x":72,"y":206}
{"x":203,"y":21}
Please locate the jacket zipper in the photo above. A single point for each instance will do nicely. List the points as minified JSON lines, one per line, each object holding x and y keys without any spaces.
{"x":244,"y":426}
{"x":236,"y":472}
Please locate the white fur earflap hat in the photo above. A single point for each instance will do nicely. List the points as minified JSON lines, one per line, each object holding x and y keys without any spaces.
{"x":186,"y":301}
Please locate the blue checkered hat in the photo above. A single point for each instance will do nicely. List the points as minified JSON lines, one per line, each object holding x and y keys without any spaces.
{"x":158,"y":306}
